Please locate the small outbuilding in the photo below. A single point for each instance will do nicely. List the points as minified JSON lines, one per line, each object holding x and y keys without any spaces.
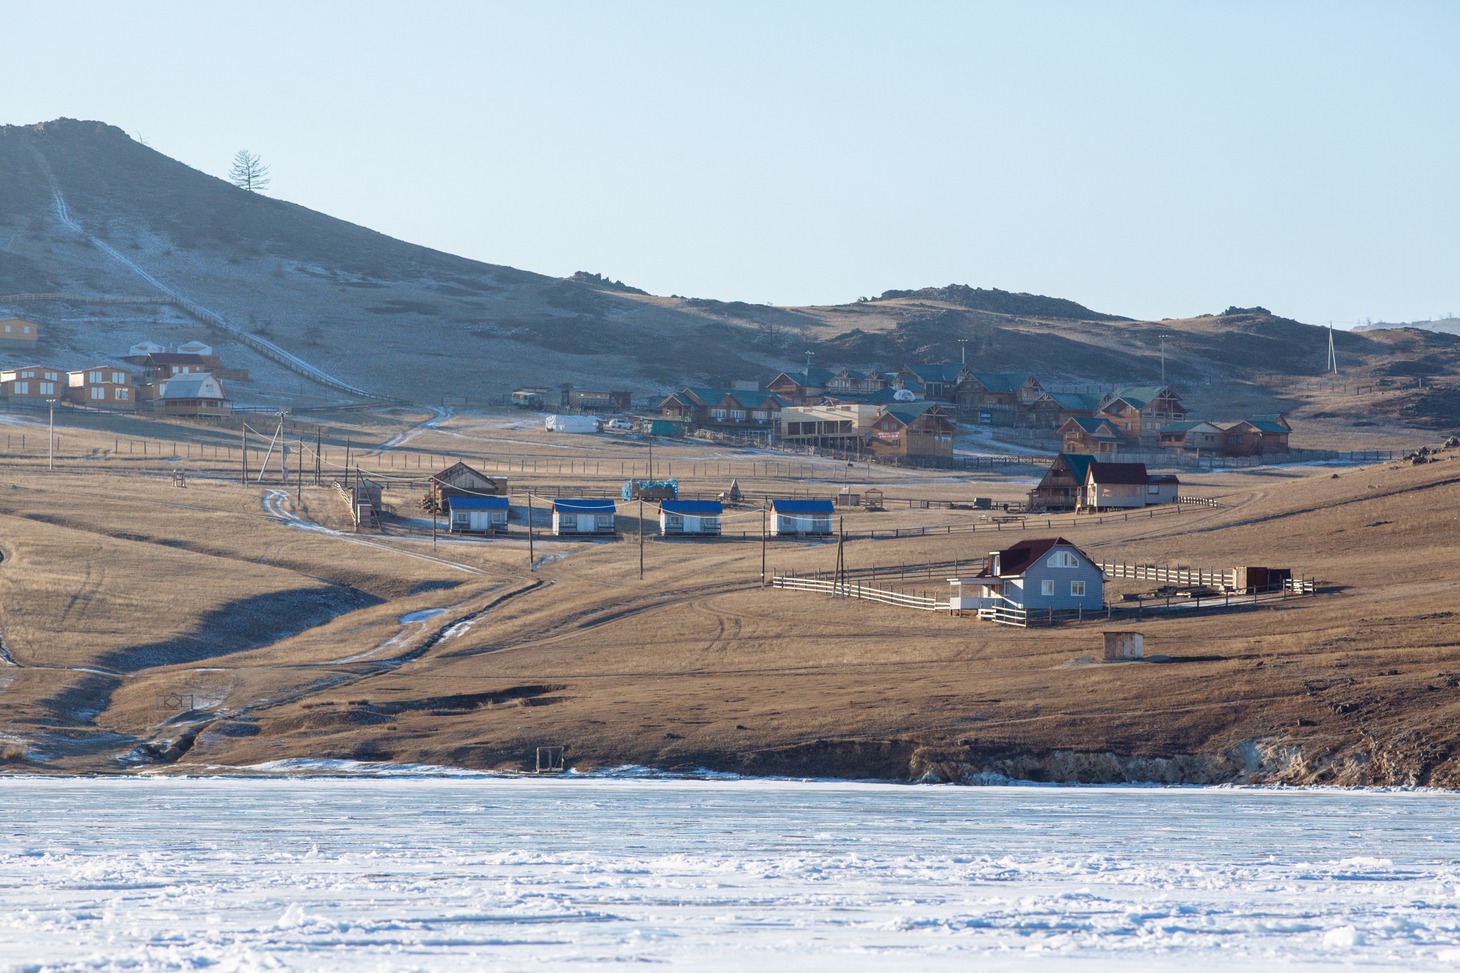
{"x":699,"y":518}
{"x":477,"y":515}
{"x":591,"y":516}
{"x":801,"y":518}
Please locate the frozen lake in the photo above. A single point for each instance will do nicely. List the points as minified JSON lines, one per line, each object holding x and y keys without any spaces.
{"x":471,"y":872}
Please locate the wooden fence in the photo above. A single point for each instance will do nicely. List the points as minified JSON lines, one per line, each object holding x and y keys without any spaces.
{"x":862,"y":592}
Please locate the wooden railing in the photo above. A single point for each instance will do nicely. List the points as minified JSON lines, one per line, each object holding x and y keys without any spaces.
{"x":855,"y":589}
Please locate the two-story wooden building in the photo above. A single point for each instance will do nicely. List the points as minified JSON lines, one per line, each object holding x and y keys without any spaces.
{"x":105,"y":387}
{"x":915,"y":430}
{"x":32,"y":383}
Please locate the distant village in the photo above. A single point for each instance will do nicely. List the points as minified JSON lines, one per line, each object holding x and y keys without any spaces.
{"x":185,"y":382}
{"x":911,"y":414}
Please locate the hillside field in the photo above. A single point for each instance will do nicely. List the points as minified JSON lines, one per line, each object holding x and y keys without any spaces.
{"x":154,"y":626}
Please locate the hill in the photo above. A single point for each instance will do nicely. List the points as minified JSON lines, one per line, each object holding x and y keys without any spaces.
{"x":87,"y":212}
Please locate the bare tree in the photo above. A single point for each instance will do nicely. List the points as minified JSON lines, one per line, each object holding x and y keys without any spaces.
{"x":248,"y":172}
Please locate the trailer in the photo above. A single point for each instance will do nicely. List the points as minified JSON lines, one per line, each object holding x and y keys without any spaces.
{"x":574,"y":424}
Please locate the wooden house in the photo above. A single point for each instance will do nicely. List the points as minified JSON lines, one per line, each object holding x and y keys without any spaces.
{"x":800,"y":387}
{"x":1112,"y":486}
{"x":1259,"y":435}
{"x":192,"y":395}
{"x":1139,"y":413}
{"x":801,"y":518}
{"x":588,"y":516}
{"x":461,"y":480}
{"x":1063,"y":484}
{"x":1052,"y":409}
{"x":699,"y":518}
{"x":477,"y":515}
{"x":1194,"y":435}
{"x":724,"y":408}
{"x":1044,"y":574}
{"x":854,"y":384}
{"x":1089,"y":434}
{"x":35,"y":383}
{"x":1008,"y":397}
{"x":920,"y":430}
{"x":160,"y":366}
{"x":102,"y":387}
{"x":18,"y":334}
{"x":937,"y":382}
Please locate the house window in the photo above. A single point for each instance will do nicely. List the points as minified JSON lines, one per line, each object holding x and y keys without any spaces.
{"x":737,"y":414}
{"x":1063,"y":559}
{"x":710,"y":523}
{"x":605,"y":521}
{"x":1077,"y":589}
{"x":1152,"y":488}
{"x":821,"y":523}
{"x":717,"y":414}
{"x":1046,"y":588}
{"x":673,"y":521}
{"x":97,"y":392}
{"x":22,"y":388}
{"x":94,"y":377}
{"x":568,"y":521}
{"x":123,"y":395}
{"x":48,"y":388}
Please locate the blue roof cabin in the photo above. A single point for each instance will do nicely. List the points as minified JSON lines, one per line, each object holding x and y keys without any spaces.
{"x":477,"y":515}
{"x":1037,"y":574}
{"x":690,"y":517}
{"x":796,"y":518}
{"x":583,"y":517}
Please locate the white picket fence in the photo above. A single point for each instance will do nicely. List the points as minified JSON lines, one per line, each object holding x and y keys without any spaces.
{"x":855,"y":589}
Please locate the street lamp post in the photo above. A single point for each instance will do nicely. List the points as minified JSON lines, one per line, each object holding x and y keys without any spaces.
{"x":1163,"y":357}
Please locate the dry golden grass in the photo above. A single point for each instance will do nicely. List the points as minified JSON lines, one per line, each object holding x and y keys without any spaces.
{"x":290,"y":642}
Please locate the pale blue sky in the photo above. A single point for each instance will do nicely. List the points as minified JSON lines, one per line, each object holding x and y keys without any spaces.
{"x":1154,"y":159}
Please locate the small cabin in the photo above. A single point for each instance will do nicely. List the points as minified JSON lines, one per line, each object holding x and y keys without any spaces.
{"x":477,"y":515}
{"x":690,"y":517}
{"x":801,"y":518}
{"x":1162,"y":488}
{"x":583,"y":517}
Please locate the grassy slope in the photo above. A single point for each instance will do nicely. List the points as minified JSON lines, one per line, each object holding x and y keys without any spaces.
{"x":696,"y":666}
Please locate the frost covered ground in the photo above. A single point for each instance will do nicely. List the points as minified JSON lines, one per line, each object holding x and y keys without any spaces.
{"x":414,"y":872}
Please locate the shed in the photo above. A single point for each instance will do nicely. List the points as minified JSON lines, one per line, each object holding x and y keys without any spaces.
{"x":697,"y":517}
{"x":795,"y":518}
{"x":1115,"y":485}
{"x":1162,"y":488}
{"x":590,"y":516}
{"x":477,"y":515}
{"x":1037,"y":574}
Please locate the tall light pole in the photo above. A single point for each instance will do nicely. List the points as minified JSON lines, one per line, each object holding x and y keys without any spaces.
{"x":963,"y":351}
{"x":1163,"y":357}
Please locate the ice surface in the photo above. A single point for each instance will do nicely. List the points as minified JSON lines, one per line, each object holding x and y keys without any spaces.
{"x":426,"y":872}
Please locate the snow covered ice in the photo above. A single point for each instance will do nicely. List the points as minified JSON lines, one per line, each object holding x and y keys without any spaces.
{"x":427,"y":872}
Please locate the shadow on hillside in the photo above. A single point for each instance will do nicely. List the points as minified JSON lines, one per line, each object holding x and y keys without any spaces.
{"x":241,"y":626}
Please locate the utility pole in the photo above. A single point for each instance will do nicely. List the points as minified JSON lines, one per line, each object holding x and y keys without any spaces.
{"x":762,"y":543}
{"x":243,"y":452}
{"x":299,"y":476}
{"x":51,"y":442}
{"x":1332,"y":356}
{"x":641,"y":537}
{"x":531,"y":560}
{"x":317,"y":438}
{"x":1163,"y":357}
